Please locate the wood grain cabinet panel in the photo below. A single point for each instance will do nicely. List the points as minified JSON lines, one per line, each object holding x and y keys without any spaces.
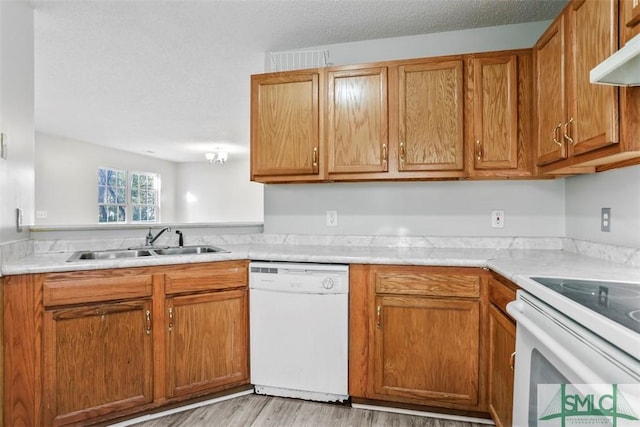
{"x":207,"y":336}
{"x":593,"y":109}
{"x":551,"y":93}
{"x":500,"y":114}
{"x":629,"y":20}
{"x":502,"y":347}
{"x":415,"y":281}
{"x":431,"y":116}
{"x":285,"y":133}
{"x":417,"y":336}
{"x":86,"y":347}
{"x":502,"y":337}
{"x":97,"y":359}
{"x":583,"y":127}
{"x":496,"y":105}
{"x":427,"y":348}
{"x":357,"y":120}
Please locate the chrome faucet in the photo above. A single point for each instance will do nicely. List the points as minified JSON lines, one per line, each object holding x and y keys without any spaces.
{"x":150,"y":239}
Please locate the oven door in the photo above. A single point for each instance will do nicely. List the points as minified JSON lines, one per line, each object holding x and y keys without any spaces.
{"x":551,"y":351}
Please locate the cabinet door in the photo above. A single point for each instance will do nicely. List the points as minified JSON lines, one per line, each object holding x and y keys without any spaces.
{"x":97,"y":360}
{"x":550,"y":93}
{"x":284,"y":125}
{"x":357,"y":120}
{"x":593,"y":109}
{"x":431,"y":116}
{"x":629,"y":20}
{"x":207,"y":336}
{"x":495,"y":112}
{"x":502,"y":345}
{"x":427,"y":348}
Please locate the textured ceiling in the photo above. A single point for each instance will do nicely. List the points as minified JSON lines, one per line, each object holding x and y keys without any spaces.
{"x":170,"y":79}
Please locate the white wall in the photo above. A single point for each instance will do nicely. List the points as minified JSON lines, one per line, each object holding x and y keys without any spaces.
{"x":66,"y":179}
{"x":456,"y":208}
{"x":619,"y":190}
{"x":517,"y":36}
{"x":16,"y":116}
{"x":217,"y":193}
{"x":442,"y":208}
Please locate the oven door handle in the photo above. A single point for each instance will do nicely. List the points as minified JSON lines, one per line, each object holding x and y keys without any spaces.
{"x":515,"y":309}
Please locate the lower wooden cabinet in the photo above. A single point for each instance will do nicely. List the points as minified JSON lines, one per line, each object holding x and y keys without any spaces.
{"x":417,"y":336}
{"x":207,"y":341}
{"x":89,"y":346}
{"x":502,"y":347}
{"x":97,"y":359}
{"x":427,"y":348}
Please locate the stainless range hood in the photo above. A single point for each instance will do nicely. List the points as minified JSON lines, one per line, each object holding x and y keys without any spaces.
{"x":620,"y":69}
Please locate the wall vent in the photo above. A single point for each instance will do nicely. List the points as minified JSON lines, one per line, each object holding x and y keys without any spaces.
{"x":298,"y":60}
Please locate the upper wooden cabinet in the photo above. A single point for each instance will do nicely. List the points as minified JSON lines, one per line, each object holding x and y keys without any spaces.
{"x":499,"y":114}
{"x":629,"y":20}
{"x":578,"y":123}
{"x":392,"y":120}
{"x":551,"y":93}
{"x":357,"y":121}
{"x":430,"y":116}
{"x":285,"y":127}
{"x":593,"y":109}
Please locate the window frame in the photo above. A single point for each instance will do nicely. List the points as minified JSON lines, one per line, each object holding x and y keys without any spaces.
{"x":131,"y":209}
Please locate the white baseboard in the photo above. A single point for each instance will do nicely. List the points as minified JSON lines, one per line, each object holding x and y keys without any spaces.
{"x":424,"y":414}
{"x":180,"y":409}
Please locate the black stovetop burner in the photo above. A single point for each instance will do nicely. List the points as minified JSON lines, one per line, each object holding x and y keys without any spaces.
{"x":617,"y":301}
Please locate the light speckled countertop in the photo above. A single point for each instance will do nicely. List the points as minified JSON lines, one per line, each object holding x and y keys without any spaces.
{"x":507,"y":262}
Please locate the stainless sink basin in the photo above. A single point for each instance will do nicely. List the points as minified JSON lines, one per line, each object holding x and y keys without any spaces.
{"x":137,"y":253}
{"x":110,"y":254}
{"x":189,"y":250}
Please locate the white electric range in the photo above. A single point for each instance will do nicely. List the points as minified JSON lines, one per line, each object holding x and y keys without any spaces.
{"x":577,"y":351}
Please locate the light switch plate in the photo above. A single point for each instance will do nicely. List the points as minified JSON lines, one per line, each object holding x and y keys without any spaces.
{"x":332,"y":218}
{"x":19,"y":220}
{"x":605,"y":220}
{"x":3,"y":146}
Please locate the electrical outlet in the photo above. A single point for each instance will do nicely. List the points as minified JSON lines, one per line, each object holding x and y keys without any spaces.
{"x":605,"y":219}
{"x":41,"y":214}
{"x":497,"y":219}
{"x":332,"y":218}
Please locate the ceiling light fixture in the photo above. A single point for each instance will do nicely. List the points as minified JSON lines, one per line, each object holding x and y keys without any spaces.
{"x":218,"y":156}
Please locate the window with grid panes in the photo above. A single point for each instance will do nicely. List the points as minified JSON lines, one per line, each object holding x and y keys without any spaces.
{"x":125,"y":196}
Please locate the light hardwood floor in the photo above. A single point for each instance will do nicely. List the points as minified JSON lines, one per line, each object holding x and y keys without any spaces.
{"x":262,"y":411}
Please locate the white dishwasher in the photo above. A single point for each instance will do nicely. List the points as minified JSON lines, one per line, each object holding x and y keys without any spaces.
{"x":299,"y":322}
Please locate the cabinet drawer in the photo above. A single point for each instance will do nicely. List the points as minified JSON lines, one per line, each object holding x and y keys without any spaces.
{"x":500,"y":293}
{"x":430,"y":284}
{"x":221,"y":275}
{"x":95,"y":289}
